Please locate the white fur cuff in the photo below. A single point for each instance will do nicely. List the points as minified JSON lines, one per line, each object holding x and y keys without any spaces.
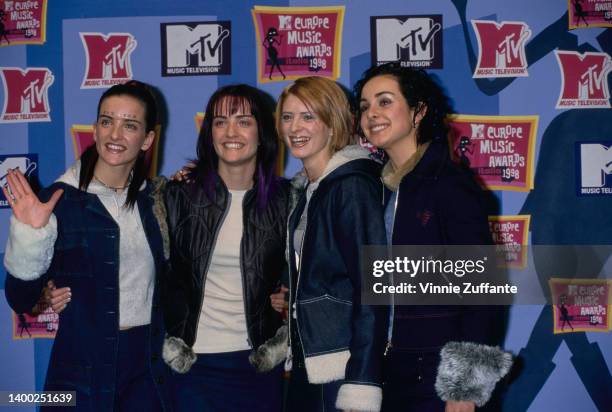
{"x":272,"y":352}
{"x":29,"y":251}
{"x":469,"y":371}
{"x":327,"y":368}
{"x":177,"y":354}
{"x":363,"y":398}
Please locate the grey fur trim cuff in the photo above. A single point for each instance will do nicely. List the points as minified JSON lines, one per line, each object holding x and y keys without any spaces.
{"x":363,"y":398}
{"x":328,"y":367}
{"x":177,"y":354}
{"x":159,"y":210}
{"x":272,"y":352}
{"x":469,"y":371}
{"x":29,"y":251}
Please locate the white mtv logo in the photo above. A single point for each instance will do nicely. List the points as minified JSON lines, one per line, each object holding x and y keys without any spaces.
{"x":414,"y":35}
{"x":596,"y":164}
{"x":284,"y":22}
{"x":202,"y":43}
{"x":477,"y":131}
{"x":25,"y":165}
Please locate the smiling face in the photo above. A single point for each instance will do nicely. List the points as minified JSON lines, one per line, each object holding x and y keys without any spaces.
{"x":386,"y":119}
{"x":305,"y":134}
{"x":120,"y":133}
{"x":235,"y":135}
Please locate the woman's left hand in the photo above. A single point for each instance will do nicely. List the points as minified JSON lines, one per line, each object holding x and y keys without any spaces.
{"x":459,"y":406}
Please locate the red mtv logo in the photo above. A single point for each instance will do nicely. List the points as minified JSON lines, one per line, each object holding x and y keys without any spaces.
{"x":108,"y":58}
{"x":584,"y":79}
{"x":25,"y":94}
{"x":501,"y":48}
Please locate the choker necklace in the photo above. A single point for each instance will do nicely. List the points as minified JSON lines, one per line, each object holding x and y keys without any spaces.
{"x":114,"y":188}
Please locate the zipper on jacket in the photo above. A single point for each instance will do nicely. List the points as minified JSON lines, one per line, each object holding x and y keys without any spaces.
{"x":389,"y":344}
{"x":205,"y":274}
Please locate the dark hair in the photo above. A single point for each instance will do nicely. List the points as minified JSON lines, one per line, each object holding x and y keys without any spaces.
{"x":420,"y":90}
{"x":249,"y":99}
{"x":143,"y":93}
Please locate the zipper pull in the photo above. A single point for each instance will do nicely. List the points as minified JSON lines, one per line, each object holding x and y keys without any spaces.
{"x":388,"y":347}
{"x":289,"y":360}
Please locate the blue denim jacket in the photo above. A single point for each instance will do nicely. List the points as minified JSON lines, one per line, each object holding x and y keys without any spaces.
{"x":86,"y":258}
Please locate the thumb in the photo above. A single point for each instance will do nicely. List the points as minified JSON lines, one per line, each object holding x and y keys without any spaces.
{"x":283,"y":289}
{"x":50,"y":284}
{"x":55,"y":198}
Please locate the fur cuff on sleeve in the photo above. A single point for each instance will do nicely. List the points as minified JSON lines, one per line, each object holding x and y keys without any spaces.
{"x":469,"y":371}
{"x":29,"y":251}
{"x":363,"y":398}
{"x":272,"y":352}
{"x":177,"y":354}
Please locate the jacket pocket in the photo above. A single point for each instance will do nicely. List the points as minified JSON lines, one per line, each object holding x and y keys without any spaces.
{"x":325,"y":324}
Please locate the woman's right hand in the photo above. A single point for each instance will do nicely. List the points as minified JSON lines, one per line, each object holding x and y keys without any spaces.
{"x":277,"y":300}
{"x":183,"y":174}
{"x":25,"y":204}
{"x":58,"y":299}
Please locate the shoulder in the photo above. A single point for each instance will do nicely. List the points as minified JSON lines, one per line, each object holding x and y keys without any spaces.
{"x":359,"y":171}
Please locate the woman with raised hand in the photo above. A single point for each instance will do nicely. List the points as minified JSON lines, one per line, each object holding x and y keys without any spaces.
{"x":227,"y":223}
{"x":336,"y":342}
{"x":429,"y":200}
{"x":94,"y":235}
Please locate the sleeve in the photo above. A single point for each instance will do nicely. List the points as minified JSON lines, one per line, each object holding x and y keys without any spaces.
{"x":361,"y":221}
{"x":470,"y":368}
{"x":176,"y":352}
{"x":28,"y":257}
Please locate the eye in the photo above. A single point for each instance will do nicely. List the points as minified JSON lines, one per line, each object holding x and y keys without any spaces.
{"x":104,"y":122}
{"x":218,"y":122}
{"x":286,"y":117}
{"x":308,"y":116}
{"x":245,"y":122}
{"x":385,"y":101}
{"x":364,"y":107}
{"x":132,"y":127}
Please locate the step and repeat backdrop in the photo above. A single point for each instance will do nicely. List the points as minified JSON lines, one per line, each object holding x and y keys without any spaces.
{"x":530,"y":85}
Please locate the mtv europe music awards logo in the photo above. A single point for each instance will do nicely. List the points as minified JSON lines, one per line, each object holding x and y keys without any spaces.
{"x":414,"y":41}
{"x":200,"y":48}
{"x":27,"y":164}
{"x":584,"y":80}
{"x":594,"y":168}
{"x":25,"y":94}
{"x":107,"y":59}
{"x":501,"y":48}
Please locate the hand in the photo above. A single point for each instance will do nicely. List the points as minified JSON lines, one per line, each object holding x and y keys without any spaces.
{"x":25,"y":204}
{"x":459,"y":406}
{"x":183,"y":174}
{"x":58,"y":299}
{"x":277,"y":300}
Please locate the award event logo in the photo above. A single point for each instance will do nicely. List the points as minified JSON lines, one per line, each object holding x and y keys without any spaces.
{"x":499,"y":149}
{"x":511,"y":235}
{"x":26,"y":163}
{"x":107,"y":59}
{"x":584,"y":79}
{"x":25,"y":94}
{"x":501,"y":48}
{"x":589,"y":13}
{"x":196,"y":48}
{"x":414,"y":41}
{"x":594,"y":168}
{"x":293,"y":42}
{"x":22,"y":22}
{"x":41,"y":323}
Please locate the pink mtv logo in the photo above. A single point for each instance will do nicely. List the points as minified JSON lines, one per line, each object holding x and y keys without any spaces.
{"x":107,"y":59}
{"x":501,"y":48}
{"x":584,"y":79}
{"x":25,"y":94}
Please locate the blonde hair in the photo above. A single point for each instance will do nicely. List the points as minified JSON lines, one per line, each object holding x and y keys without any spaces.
{"x":328,"y":101}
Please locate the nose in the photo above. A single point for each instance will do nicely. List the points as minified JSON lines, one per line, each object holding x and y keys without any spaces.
{"x":232,"y":128}
{"x":117,"y":130}
{"x":295,"y":124}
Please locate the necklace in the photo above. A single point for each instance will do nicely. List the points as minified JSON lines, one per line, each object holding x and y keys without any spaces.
{"x":115,"y":188}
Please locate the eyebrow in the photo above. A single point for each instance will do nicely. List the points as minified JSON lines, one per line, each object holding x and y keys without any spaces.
{"x":380,"y":94}
{"x":127,"y":119}
{"x":240,"y":116}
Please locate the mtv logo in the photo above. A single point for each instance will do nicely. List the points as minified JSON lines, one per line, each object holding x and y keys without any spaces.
{"x":26,"y":163}
{"x":596,"y":165}
{"x":284,"y":22}
{"x":195,"y":46}
{"x":584,"y":78}
{"x":477,"y":131}
{"x":107,"y":58}
{"x":501,"y":46}
{"x":25,"y":94}
{"x":405,"y":38}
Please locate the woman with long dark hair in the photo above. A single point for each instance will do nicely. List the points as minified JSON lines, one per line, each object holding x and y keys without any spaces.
{"x":98,"y":239}
{"x":227,"y":225}
{"x":429,"y":200}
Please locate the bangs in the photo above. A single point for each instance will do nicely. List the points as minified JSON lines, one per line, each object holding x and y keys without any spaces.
{"x":229,"y":105}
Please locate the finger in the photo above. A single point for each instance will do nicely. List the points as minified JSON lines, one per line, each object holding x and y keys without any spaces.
{"x":283,"y":289}
{"x":8,"y":196}
{"x":59,"y":308}
{"x":55,"y":197}
{"x":51,"y":284}
{"x":27,"y":189}
{"x":14,"y":184}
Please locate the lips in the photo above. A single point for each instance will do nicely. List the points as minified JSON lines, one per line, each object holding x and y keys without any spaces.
{"x":115,"y":148}
{"x":233,"y":145}
{"x":298,"y":141}
{"x":376,"y":128}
